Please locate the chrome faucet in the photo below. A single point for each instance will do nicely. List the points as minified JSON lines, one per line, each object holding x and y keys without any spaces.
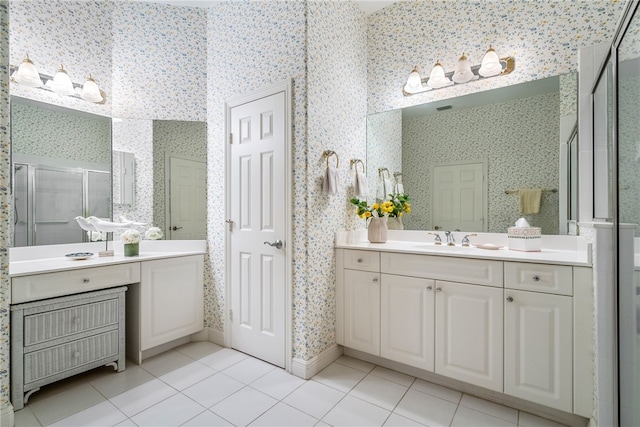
{"x":437,"y":240}
{"x":451,"y":240}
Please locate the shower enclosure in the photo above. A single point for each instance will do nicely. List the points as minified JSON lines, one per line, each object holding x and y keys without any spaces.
{"x":47,"y":199}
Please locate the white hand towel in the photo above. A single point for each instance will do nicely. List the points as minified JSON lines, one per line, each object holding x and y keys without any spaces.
{"x":530,"y":200}
{"x":388,"y":188}
{"x":362,"y":187}
{"x":380,"y":189}
{"x":330,"y":183}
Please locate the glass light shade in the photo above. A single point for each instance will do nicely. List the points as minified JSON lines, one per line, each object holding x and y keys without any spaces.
{"x":27,"y":73}
{"x":62,"y":84}
{"x":437,"y":78}
{"x":463,"y":73}
{"x":490,"y":64}
{"x":91,"y":91}
{"x":414,"y":82}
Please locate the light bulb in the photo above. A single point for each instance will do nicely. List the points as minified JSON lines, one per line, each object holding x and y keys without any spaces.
{"x":462,"y":73}
{"x":91,"y":91}
{"x":62,"y":84}
{"x":490,"y":64}
{"x":27,"y":73}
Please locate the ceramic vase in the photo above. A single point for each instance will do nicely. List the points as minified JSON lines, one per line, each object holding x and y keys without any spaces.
{"x":395,"y":223}
{"x":377,"y":230}
{"x":131,"y":249}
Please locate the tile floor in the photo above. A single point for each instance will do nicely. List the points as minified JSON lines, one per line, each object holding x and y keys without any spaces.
{"x":202,"y":384}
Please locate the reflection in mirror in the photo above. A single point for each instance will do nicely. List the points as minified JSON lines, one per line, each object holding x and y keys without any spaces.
{"x":515,"y":131}
{"x":61,"y":169}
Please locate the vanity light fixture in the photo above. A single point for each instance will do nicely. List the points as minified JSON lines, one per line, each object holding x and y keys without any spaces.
{"x":27,"y":74}
{"x":492,"y":65}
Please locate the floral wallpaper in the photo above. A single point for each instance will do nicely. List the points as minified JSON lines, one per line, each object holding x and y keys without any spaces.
{"x":176,"y":138}
{"x":59,"y":134}
{"x":517,"y":139}
{"x":5,"y":199}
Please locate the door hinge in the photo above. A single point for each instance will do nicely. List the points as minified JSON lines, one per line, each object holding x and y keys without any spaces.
{"x":230,"y":138}
{"x":231,"y":315}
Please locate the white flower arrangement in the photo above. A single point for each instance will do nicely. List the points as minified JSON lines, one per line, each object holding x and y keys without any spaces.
{"x":130,"y":236}
{"x":153,"y":233}
{"x":96,"y":236}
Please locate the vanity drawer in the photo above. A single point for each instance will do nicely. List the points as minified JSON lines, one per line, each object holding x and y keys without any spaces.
{"x":55,"y":360}
{"x":551,"y":279}
{"x":42,"y":327}
{"x":362,"y":260}
{"x":452,"y":269}
{"x":47,"y":285}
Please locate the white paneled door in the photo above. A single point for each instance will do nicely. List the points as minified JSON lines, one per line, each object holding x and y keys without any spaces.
{"x":257,"y":227}
{"x":187,"y":200}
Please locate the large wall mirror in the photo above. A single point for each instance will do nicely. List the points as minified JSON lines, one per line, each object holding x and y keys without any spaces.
{"x":465,"y":160}
{"x":61,"y":169}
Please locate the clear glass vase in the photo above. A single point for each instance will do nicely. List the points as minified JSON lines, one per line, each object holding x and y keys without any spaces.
{"x":131,"y":249}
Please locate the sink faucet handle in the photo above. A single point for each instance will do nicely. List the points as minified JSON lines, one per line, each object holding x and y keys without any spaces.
{"x":465,"y":239}
{"x":437,"y":240}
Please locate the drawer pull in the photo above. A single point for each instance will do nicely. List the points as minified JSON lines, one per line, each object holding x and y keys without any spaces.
{"x":438,"y":289}
{"x":536,"y":278}
{"x":76,"y":354}
{"x":375,"y":280}
{"x":85,"y":280}
{"x":359,"y":259}
{"x":509,"y":299}
{"x":429,"y":288}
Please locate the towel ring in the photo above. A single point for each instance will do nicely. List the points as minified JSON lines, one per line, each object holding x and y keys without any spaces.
{"x":355,"y":162}
{"x":381,"y":172}
{"x":328,"y":153}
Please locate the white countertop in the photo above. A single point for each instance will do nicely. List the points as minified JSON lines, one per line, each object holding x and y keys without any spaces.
{"x":403,"y":242}
{"x":48,"y":259}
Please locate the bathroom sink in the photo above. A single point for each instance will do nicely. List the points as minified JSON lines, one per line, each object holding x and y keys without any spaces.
{"x":443,"y":248}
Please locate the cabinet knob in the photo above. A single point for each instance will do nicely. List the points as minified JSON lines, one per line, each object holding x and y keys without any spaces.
{"x":76,"y":354}
{"x":438,"y":289}
{"x":509,"y":299}
{"x":85,"y":280}
{"x":359,"y":259}
{"x":536,"y":278}
{"x":429,"y":288}
{"x":375,"y":280}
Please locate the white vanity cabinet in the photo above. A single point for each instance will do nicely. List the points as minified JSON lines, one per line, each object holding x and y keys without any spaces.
{"x":169,"y":302}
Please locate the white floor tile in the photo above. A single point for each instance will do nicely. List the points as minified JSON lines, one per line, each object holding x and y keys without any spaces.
{"x":437,"y":390}
{"x":102,"y":414}
{"x":396,"y":377}
{"x":142,"y":397}
{"x":243,"y":407}
{"x":187,"y":375}
{"x":198,"y":349}
{"x":114,"y":383}
{"x":165,"y":363}
{"x":54,"y":407}
{"x":340,"y":377}
{"x":277,"y":383}
{"x":355,"y":412}
{"x":529,"y":420}
{"x":379,"y":391}
{"x":284,"y":415}
{"x":426,"y":409}
{"x":25,"y":418}
{"x":171,"y":412}
{"x":222,"y":359}
{"x":360,"y":365}
{"x":126,"y":423}
{"x":314,"y":398}
{"x":207,"y":419}
{"x":490,"y":408}
{"x":213,"y":389}
{"x":467,"y":417}
{"x":396,"y":420}
{"x":248,"y":370}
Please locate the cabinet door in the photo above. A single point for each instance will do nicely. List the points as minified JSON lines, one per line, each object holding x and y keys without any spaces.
{"x":469,"y":333}
{"x":171,"y":299}
{"x":407,"y":320}
{"x":538,"y":348}
{"x":362,"y":311}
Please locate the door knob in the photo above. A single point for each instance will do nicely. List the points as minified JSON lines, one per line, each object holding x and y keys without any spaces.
{"x":437,"y":227}
{"x":277,"y":244}
{"x":174,"y":228}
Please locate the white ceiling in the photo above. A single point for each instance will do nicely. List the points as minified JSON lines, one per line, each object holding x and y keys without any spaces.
{"x":368,"y":6}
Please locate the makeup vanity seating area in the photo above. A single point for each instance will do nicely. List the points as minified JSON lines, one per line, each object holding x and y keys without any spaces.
{"x":70,"y":316}
{"x":514,"y":327}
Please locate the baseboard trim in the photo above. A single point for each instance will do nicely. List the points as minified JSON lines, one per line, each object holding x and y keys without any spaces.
{"x":216,"y":336}
{"x":308,"y":368}
{"x":6,"y":415}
